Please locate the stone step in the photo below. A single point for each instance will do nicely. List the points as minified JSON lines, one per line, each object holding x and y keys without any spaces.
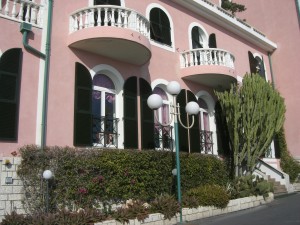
{"x":279,"y":189}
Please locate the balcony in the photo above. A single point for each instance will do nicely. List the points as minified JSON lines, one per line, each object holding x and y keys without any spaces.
{"x":111,"y":31}
{"x":23,"y":11}
{"x":211,"y":67}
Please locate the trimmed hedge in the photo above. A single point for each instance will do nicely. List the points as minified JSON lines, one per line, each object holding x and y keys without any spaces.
{"x":86,"y":177}
{"x":210,"y":195}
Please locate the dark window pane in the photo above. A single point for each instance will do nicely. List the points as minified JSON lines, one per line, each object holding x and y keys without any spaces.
{"x":160,"y":29}
{"x":10,"y":73}
{"x":8,"y":86}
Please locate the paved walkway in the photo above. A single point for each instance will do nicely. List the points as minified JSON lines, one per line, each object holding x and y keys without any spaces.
{"x":284,"y":210}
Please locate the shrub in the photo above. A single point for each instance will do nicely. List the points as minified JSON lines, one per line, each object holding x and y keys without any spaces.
{"x":166,"y":205}
{"x":288,"y":164}
{"x":249,"y":185}
{"x":210,"y":195}
{"x":88,"y":177}
{"x":133,"y":210}
{"x":82,"y":217}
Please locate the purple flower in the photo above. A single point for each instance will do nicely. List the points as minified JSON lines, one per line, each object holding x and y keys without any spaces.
{"x":82,"y":191}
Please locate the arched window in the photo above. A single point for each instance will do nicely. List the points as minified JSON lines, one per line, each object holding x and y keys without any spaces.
{"x":10,"y":76}
{"x":206,"y":143}
{"x":162,"y":134}
{"x":256,"y":64}
{"x":198,"y":37}
{"x":104,"y":111}
{"x":160,"y":29}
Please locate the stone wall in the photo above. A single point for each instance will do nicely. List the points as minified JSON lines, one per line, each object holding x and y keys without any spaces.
{"x":199,"y":213}
{"x":10,"y":187}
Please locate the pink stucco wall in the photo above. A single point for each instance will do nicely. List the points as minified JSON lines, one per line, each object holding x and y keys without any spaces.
{"x":164,"y":64}
{"x":279,"y":21}
{"x":12,"y":38}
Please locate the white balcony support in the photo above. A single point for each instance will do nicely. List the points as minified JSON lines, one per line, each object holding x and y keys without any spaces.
{"x":206,"y":56}
{"x":23,"y":11}
{"x":116,"y":16}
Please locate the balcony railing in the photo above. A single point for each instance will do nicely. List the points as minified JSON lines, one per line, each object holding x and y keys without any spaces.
{"x":163,"y":137}
{"x":105,"y":132}
{"x":207,"y":56}
{"x":206,"y":142}
{"x":23,"y":11}
{"x":100,"y":15}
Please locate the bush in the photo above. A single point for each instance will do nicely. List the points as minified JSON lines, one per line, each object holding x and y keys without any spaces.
{"x":210,"y":195}
{"x":249,"y":185}
{"x":82,"y":217}
{"x":287,"y":163}
{"x":93,"y":177}
{"x":166,"y":205}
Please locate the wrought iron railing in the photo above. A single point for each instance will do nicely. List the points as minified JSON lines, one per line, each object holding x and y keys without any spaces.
{"x":105,"y":131}
{"x":206,"y":142}
{"x":163,"y":137}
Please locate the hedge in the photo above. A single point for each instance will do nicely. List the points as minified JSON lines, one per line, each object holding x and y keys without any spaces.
{"x":86,"y":177}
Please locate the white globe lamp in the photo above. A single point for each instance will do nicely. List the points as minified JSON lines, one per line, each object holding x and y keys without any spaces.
{"x":154,"y":101}
{"x":192,"y":108}
{"x":47,"y":174}
{"x":173,"y":88}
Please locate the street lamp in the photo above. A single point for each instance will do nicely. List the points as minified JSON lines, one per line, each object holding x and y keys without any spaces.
{"x":192,"y":108}
{"x":47,"y":175}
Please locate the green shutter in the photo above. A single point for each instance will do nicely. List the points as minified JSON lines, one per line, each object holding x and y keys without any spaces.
{"x":130,"y":113}
{"x":194,"y":131}
{"x":183,"y":133}
{"x":212,"y":42}
{"x":83,"y":107}
{"x":10,"y":73}
{"x":147,"y":116}
{"x":252,"y":63}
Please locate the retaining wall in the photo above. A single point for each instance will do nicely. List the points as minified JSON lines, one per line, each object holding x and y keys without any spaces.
{"x":198,"y":213}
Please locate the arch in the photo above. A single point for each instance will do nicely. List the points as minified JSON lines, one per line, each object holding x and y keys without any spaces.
{"x":10,"y":76}
{"x":208,"y":100}
{"x":112,"y":73}
{"x":171,"y":24}
{"x":202,"y":32}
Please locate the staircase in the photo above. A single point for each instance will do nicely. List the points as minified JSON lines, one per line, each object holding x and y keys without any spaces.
{"x":280,"y":180}
{"x":279,"y":189}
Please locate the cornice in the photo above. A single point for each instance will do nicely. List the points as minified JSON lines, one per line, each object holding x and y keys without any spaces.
{"x":224,"y":19}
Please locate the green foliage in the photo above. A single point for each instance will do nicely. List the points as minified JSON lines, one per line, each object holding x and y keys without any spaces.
{"x":166,"y":205}
{"x":95,"y":177}
{"x":254,"y":112}
{"x":133,"y":210}
{"x":209,"y":195}
{"x":249,"y":185}
{"x":82,"y":217}
{"x":288,"y":164}
{"x":232,"y":6}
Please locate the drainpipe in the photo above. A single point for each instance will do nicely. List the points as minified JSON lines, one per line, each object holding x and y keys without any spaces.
{"x":271,"y":70}
{"x":25,"y":28}
{"x":298,"y":9}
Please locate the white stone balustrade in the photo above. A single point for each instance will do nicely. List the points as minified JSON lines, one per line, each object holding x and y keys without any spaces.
{"x":206,"y":56}
{"x":101,"y":15}
{"x":23,"y":11}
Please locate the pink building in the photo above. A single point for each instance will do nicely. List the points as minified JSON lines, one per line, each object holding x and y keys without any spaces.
{"x":86,"y":83}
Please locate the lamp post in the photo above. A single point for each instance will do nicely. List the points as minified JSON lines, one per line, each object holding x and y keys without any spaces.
{"x":47,"y":175}
{"x":192,"y":108}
